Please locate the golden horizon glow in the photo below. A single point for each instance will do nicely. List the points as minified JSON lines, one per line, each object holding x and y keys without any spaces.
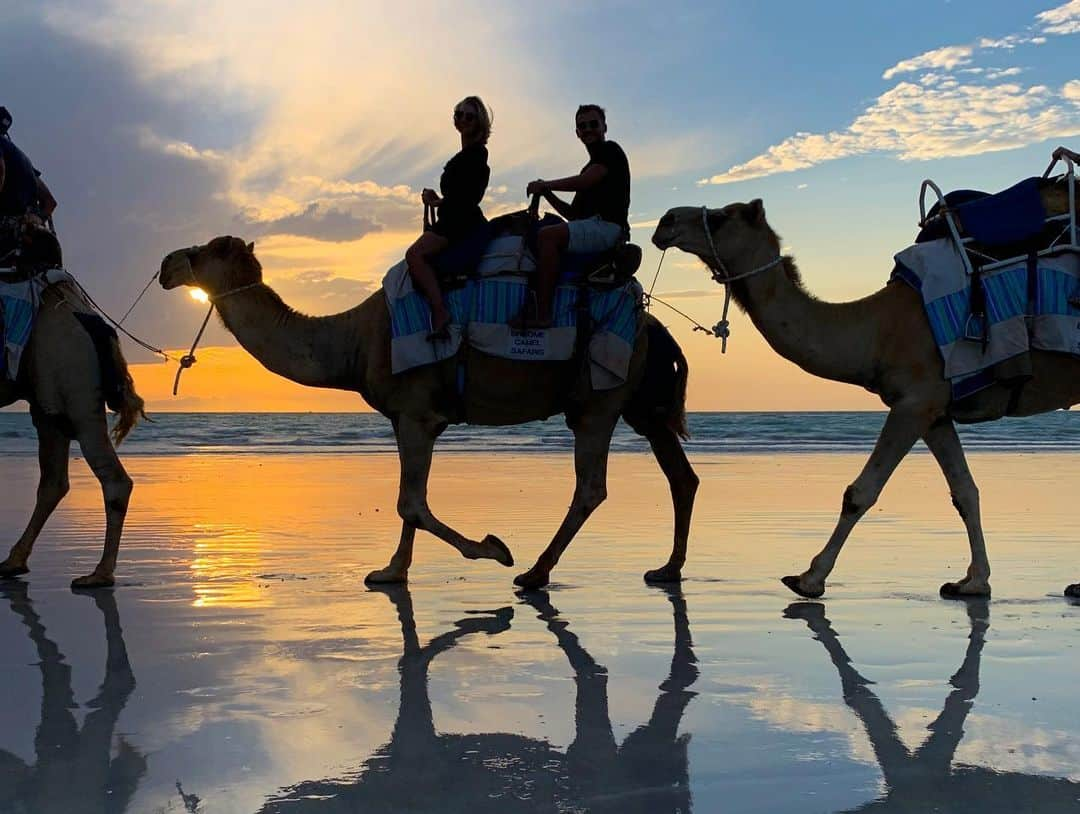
{"x":749,"y":377}
{"x":199,"y":295}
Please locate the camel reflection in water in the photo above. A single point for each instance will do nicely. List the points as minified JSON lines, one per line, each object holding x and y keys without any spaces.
{"x":420,"y":769}
{"x":927,"y":779}
{"x":75,"y":770}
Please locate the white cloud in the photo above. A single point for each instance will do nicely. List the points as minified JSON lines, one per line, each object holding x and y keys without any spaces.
{"x":915,"y":122}
{"x":936,"y":115}
{"x":1065,"y":19}
{"x":149,"y":140}
{"x":949,"y":57}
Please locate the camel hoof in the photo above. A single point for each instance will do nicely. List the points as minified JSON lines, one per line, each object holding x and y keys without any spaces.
{"x":502,"y":551}
{"x":668,"y":573}
{"x":531,"y":580}
{"x":12,"y":571}
{"x":962,"y":590}
{"x":1073,"y":591}
{"x":92,"y":581}
{"x":386,"y":576}
{"x":795,"y":584}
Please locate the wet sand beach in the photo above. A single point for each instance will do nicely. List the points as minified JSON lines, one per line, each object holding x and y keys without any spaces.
{"x":241,"y":665}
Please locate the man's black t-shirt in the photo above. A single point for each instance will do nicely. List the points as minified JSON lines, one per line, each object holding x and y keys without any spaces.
{"x":20,"y":180}
{"x":610,"y":199}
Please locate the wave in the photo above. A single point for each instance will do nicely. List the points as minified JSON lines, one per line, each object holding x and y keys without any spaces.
{"x":726,"y":433}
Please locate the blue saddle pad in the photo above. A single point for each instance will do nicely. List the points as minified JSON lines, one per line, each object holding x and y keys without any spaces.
{"x":1010,"y":216}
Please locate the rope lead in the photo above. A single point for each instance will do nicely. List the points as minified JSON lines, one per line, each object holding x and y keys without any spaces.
{"x":188,"y":359}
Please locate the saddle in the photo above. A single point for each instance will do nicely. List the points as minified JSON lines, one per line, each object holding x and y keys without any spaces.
{"x":507,"y":246}
{"x":1033,"y":218}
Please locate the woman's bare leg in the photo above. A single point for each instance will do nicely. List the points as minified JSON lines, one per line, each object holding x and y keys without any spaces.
{"x":423,"y":275}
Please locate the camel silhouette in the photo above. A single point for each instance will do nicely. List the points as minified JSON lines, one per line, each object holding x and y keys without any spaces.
{"x":928,"y":779}
{"x":75,"y":770}
{"x":420,"y":769}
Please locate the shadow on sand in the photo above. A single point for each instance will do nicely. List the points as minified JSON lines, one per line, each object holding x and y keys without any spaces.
{"x":928,"y":779}
{"x":420,"y":769}
{"x":75,"y":769}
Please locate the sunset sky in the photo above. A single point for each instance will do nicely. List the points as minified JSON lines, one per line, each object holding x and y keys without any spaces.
{"x":160,"y":125}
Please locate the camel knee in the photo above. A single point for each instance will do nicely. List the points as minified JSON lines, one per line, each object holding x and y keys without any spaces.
{"x":52,"y":490}
{"x":966,"y":501}
{"x":591,"y":497}
{"x":413,"y":512}
{"x":858,"y":500}
{"x":117,"y":492}
{"x":689,"y":486}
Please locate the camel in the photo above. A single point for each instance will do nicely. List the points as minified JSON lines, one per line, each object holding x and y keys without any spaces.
{"x":60,"y":376}
{"x":419,"y":768}
{"x":882,"y":343}
{"x":926,"y":779}
{"x":351,"y":351}
{"x":77,"y":768}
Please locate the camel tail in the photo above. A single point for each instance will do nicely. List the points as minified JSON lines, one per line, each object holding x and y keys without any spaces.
{"x":127,"y":404}
{"x":677,"y":412}
{"x":661,"y":396}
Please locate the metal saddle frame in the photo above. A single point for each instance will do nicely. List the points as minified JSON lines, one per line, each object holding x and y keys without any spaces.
{"x":1059,"y":235}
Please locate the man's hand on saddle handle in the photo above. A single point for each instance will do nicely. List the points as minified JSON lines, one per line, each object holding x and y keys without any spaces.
{"x":430,"y":197}
{"x":537,"y":187}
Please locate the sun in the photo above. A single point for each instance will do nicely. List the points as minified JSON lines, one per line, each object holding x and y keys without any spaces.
{"x":199,"y":295}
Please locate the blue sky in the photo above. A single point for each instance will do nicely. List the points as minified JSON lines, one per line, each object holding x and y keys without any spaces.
{"x":163,"y":124}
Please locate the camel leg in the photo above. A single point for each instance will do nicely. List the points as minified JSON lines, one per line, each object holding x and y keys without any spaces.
{"x":902,"y":429}
{"x":398,"y":569}
{"x":944,"y":443}
{"x":591,"y":443}
{"x":53,"y":447}
{"x":684,"y":483}
{"x":116,"y":490}
{"x":415,"y":445}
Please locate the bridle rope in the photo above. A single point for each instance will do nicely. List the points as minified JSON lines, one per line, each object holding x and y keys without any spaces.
{"x":720,"y":274}
{"x":188,"y":359}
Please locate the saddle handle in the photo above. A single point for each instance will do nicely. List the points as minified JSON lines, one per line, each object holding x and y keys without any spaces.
{"x":429,"y":217}
{"x":534,"y":207}
{"x":950,"y":221}
{"x":1071,"y":159}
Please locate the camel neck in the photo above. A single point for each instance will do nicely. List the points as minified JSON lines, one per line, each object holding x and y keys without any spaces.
{"x":824,"y":339}
{"x":313,"y":351}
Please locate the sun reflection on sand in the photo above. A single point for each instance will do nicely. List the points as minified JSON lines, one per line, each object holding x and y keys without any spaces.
{"x":225,"y":565}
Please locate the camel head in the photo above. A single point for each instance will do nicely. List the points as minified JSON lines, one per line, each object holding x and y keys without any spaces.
{"x":738,"y":230}
{"x":219,"y":267}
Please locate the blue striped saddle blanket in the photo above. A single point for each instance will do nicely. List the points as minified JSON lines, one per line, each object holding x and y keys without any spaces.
{"x":482,"y":308}
{"x":1022,"y":312}
{"x":18,"y":306}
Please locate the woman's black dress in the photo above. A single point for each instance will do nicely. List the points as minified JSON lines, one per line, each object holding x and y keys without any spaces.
{"x":462,"y":185}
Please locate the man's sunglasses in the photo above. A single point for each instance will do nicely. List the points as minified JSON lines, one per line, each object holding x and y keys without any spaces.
{"x":464,"y":115}
{"x":591,"y":124}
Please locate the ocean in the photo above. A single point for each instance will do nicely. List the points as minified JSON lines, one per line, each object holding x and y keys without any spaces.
{"x":755,"y":433}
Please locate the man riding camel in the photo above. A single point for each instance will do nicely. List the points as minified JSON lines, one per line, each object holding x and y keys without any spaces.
{"x":25,"y":199}
{"x":596,"y":218}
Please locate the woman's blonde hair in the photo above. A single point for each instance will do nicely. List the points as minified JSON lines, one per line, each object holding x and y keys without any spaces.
{"x":484,"y":116}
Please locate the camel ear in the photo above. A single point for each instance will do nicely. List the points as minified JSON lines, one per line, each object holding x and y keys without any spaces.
{"x":755,"y":212}
{"x":251,"y":247}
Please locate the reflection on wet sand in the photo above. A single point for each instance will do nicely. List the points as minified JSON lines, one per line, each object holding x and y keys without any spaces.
{"x":75,"y":769}
{"x":420,"y":769}
{"x":926,"y":779}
